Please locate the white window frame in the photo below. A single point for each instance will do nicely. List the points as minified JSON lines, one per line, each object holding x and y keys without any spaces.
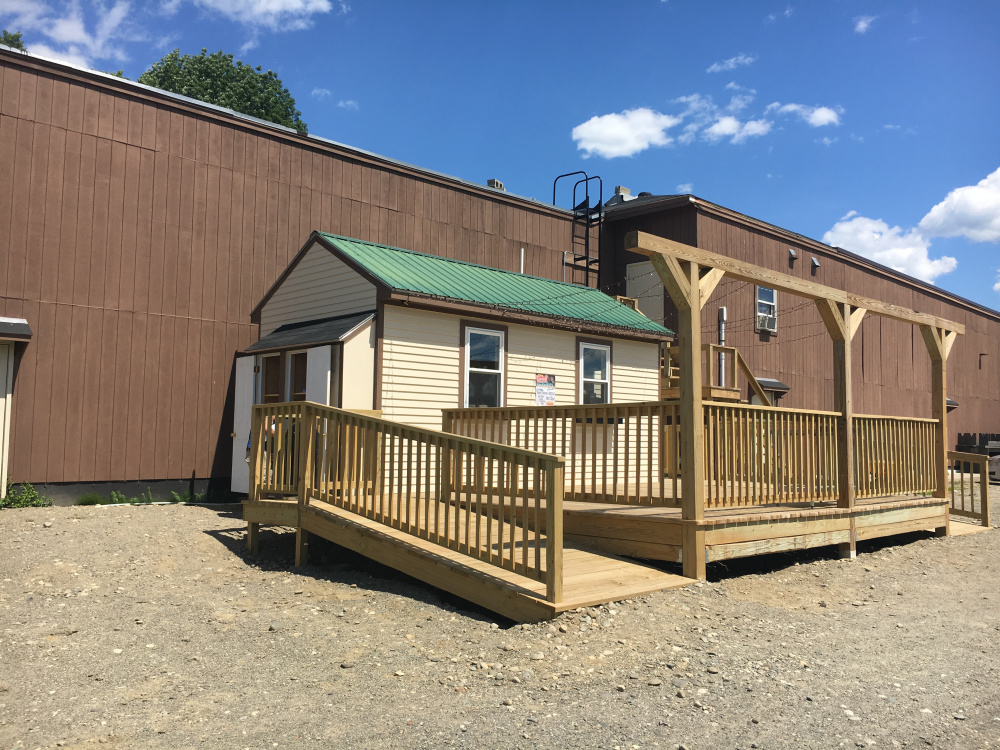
{"x":583,"y":374}
{"x":762,"y":319}
{"x":468,"y":360}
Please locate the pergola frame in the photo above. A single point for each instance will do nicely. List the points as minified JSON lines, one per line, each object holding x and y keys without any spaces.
{"x":690,"y":274}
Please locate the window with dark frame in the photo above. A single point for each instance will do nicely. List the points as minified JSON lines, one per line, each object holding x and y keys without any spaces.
{"x":270,"y":379}
{"x":484,"y":353}
{"x":767,"y":309}
{"x":595,"y":373}
{"x":297,"y":368}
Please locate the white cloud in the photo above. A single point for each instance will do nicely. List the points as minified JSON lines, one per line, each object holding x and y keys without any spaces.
{"x":741,"y":60}
{"x":827,"y":141}
{"x":685,"y":188}
{"x":623,"y":134}
{"x":815,"y":116}
{"x":320,"y":93}
{"x":739,"y":101}
{"x":972,"y":211}
{"x":738,"y":132}
{"x":863,"y":23}
{"x":70,"y":37}
{"x":892,"y":127}
{"x":787,"y":13}
{"x":348,"y":104}
{"x":904,"y":251}
{"x":278,"y":15}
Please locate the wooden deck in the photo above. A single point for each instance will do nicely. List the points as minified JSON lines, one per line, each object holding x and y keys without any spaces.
{"x":589,"y":577}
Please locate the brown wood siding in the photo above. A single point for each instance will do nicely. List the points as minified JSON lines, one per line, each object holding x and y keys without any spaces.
{"x":892,"y":370}
{"x":139,"y":234}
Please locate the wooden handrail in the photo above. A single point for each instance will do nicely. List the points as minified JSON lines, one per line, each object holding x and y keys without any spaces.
{"x":483,"y":499}
{"x":893,"y":456}
{"x":965,"y":504}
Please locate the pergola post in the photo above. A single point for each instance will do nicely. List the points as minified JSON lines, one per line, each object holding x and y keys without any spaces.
{"x":683,"y":283}
{"x":939,"y":342}
{"x":842,"y":324}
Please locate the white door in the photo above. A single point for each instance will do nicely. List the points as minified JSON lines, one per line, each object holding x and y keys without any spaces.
{"x":318,"y":374}
{"x":242,"y":414}
{"x":6,"y":396}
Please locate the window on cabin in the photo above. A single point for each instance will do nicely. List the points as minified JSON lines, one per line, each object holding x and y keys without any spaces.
{"x":484,"y":353}
{"x":595,"y":373}
{"x":767,"y":309}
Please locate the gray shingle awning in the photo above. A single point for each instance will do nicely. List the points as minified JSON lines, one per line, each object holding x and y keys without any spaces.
{"x":311,"y":332}
{"x":770,"y":384}
{"x":14,"y":329}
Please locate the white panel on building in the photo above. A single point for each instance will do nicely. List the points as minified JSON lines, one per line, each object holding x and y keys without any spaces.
{"x":242,"y":414}
{"x":318,"y":361}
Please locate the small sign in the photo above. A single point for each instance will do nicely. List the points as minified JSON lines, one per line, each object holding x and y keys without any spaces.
{"x":545,"y":390}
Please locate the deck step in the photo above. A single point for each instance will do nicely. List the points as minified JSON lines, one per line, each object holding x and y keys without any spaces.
{"x":589,"y":577}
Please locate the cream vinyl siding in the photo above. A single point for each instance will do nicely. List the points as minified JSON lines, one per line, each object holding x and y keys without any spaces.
{"x":422,"y":368}
{"x":420,"y":365}
{"x":320,"y":286}
{"x":359,"y":369}
{"x":635,"y":371}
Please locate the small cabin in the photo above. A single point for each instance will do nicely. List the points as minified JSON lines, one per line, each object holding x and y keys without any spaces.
{"x":363,"y":326}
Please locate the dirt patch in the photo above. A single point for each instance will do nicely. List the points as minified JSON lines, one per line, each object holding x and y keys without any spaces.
{"x":152,"y":627}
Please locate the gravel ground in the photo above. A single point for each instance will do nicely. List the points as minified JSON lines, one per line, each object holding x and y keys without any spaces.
{"x":152,"y":627}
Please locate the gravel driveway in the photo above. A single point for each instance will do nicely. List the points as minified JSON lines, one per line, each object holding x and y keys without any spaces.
{"x":151,"y":626}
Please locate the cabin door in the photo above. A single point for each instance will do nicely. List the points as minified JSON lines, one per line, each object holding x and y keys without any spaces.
{"x":242,"y":413}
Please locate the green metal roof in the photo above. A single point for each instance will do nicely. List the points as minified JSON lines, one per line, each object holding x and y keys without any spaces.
{"x":408,"y":271}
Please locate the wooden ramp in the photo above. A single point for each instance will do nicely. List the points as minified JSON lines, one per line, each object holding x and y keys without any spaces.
{"x":589,"y":577}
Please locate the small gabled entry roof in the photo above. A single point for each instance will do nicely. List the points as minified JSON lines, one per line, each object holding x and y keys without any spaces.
{"x":431,"y":277}
{"x":311,"y":332}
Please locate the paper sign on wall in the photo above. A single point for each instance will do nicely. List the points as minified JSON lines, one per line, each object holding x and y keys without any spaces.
{"x":545,"y":390}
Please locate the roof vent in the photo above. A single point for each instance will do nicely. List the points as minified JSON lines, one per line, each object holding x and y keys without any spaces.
{"x":645,"y":194}
{"x":628,"y":301}
{"x":495,"y":184}
{"x":621,"y":190}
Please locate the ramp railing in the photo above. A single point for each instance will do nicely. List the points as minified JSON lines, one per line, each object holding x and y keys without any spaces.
{"x":495,"y":503}
{"x":969,"y":486}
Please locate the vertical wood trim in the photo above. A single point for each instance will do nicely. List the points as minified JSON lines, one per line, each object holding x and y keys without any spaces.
{"x":379,"y":355}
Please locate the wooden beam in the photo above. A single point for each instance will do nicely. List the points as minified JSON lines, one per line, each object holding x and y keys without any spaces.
{"x":674,"y":281}
{"x":650,"y":245}
{"x":949,"y":341}
{"x":832,"y":316}
{"x":857,"y":315}
{"x":709,"y":280}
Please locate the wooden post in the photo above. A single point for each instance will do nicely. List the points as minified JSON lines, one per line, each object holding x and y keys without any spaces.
{"x":938,"y":346}
{"x":306,"y":436}
{"x":554,"y":532}
{"x":253,"y":537}
{"x":984,"y":491}
{"x":683,"y":283}
{"x":255,"y":448}
{"x":841,"y":326}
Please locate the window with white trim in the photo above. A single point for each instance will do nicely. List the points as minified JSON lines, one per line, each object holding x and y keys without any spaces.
{"x":767,"y":309}
{"x":595,"y":373}
{"x":484,"y":353}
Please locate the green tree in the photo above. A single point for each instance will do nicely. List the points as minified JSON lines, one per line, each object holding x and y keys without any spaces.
{"x":218,"y":80}
{"x":12,"y":39}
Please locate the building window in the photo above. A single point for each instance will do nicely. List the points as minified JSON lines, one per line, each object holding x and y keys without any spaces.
{"x":767,"y":309}
{"x":484,"y":353}
{"x":595,"y":373}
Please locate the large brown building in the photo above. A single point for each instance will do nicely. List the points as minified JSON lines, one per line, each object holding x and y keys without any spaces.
{"x":139,"y":230}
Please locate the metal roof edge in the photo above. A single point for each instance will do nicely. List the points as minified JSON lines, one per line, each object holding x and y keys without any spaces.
{"x":299,"y":136}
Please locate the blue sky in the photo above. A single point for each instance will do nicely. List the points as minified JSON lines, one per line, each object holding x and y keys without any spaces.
{"x":872,"y":125}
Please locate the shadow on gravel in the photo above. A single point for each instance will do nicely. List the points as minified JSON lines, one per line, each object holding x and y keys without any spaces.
{"x":331,"y":563}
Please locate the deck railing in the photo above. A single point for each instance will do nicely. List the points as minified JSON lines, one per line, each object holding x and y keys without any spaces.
{"x":893,"y":456}
{"x":969,"y":491}
{"x":615,"y":453}
{"x":757,"y":455}
{"x":492,"y":502}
